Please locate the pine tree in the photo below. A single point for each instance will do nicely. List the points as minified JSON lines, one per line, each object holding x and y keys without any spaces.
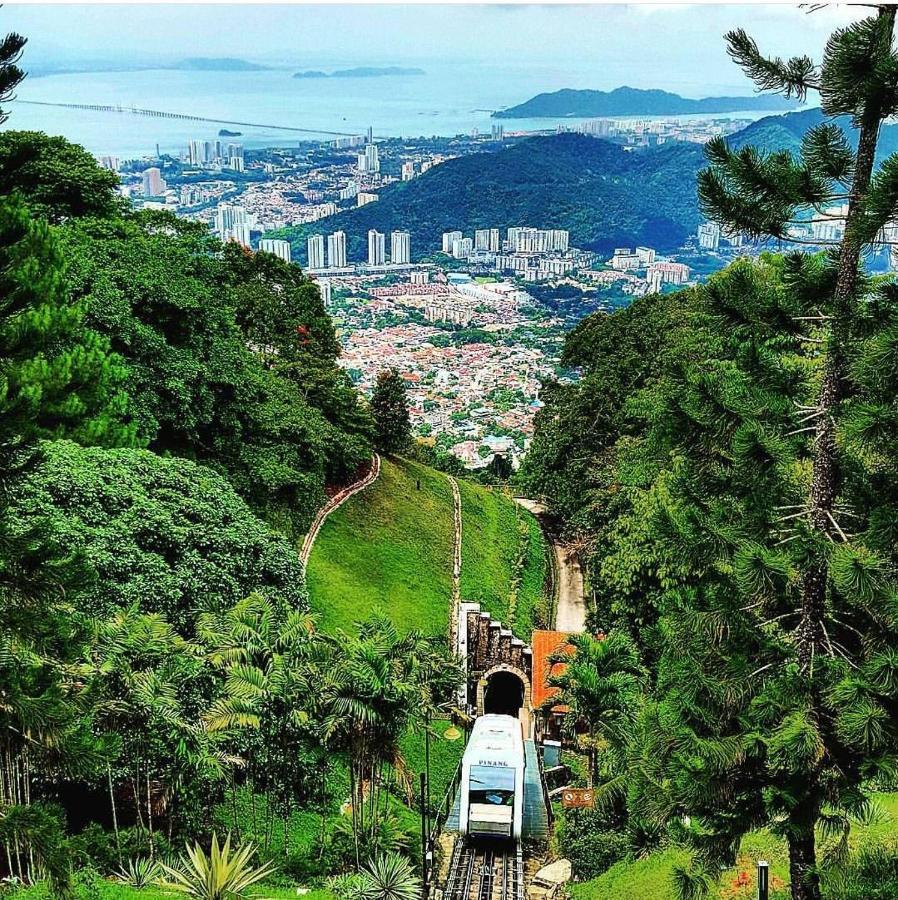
{"x":772,"y":428}
{"x":10,"y":74}
{"x":57,"y":379}
{"x":389,"y":405}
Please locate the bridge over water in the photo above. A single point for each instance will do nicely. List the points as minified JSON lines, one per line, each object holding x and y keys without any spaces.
{"x":160,"y":114}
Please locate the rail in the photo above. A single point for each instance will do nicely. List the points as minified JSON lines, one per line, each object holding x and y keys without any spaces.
{"x":485,"y":873}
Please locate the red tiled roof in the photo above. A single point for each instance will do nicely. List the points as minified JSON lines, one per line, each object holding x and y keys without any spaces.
{"x":544,"y":644}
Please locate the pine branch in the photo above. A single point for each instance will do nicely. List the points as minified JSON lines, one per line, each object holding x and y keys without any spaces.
{"x":792,"y":78}
{"x":825,"y":149}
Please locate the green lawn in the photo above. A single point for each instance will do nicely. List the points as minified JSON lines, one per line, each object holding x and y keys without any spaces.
{"x":650,"y":878}
{"x":445,"y":756}
{"x":390,"y":548}
{"x":494,"y":532}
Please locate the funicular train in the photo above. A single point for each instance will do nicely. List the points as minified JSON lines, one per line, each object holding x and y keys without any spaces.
{"x":492,"y":780}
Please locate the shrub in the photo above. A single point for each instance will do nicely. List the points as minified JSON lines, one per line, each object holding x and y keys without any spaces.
{"x":870,"y":874}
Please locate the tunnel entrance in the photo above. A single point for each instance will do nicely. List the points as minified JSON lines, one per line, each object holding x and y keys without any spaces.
{"x":504,"y":694}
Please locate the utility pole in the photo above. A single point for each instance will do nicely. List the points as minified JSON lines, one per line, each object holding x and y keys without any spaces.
{"x":424,"y":867}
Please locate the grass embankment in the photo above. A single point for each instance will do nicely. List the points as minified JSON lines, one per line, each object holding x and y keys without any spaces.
{"x":389,"y":548}
{"x":503,"y":558}
{"x":650,"y":878}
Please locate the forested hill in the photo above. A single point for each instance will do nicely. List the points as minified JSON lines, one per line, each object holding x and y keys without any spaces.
{"x":785,"y":132}
{"x":627,"y":101}
{"x":603,"y":194}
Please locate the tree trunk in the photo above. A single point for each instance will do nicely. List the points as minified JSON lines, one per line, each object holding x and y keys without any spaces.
{"x":825,"y":482}
{"x":804,"y":881}
{"x":118,"y":840}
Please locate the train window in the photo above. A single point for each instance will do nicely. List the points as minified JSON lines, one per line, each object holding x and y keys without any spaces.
{"x":492,"y":785}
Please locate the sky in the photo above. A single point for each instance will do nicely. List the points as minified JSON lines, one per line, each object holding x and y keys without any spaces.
{"x":678,"y":48}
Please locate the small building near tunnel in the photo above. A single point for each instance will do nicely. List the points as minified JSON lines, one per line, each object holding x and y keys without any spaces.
{"x":547,"y":644}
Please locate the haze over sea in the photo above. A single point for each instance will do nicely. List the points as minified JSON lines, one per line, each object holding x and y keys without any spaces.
{"x":450,"y":98}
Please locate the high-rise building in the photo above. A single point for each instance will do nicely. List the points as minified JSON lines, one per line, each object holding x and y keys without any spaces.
{"x":236,"y":163}
{"x":498,"y":132}
{"x":326,"y":291}
{"x":400,"y":247}
{"x":153,"y":183}
{"x":315,"y":249}
{"x":278,"y":248}
{"x":669,"y":272}
{"x":369,"y":160}
{"x":370,"y":134}
{"x":461,"y":248}
{"x":372,"y":159}
{"x":351,"y":190}
{"x":408,"y":170}
{"x":420,"y":277}
{"x":109,"y":162}
{"x":376,"y":248}
{"x":449,"y":238}
{"x":487,"y":239}
{"x":227,"y":215}
{"x":336,"y":250}
{"x":709,"y":236}
{"x":364,"y":198}
{"x":240,"y":233}
{"x":645,"y":255}
{"x":195,"y":153}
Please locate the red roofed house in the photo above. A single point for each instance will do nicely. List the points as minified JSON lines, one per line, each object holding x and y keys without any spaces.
{"x":545,"y":644}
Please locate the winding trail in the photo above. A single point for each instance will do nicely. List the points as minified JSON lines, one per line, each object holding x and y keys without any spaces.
{"x":570,"y":589}
{"x":334,"y":503}
{"x":456,"y":565}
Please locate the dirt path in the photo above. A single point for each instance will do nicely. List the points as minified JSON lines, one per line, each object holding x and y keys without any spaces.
{"x":336,"y":502}
{"x":570,"y":590}
{"x":456,"y":564}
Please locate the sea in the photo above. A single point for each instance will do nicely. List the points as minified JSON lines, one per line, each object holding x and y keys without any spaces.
{"x":448,"y":99}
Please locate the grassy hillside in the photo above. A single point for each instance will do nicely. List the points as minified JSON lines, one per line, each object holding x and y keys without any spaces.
{"x":390,"y":548}
{"x":650,"y":878}
{"x":605,"y":196}
{"x":503,"y":557}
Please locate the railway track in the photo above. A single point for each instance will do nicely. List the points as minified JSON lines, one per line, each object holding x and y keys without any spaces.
{"x":485,"y":873}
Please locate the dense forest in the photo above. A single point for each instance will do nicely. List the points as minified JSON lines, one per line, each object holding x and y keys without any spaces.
{"x":728,"y":465}
{"x":171,"y":415}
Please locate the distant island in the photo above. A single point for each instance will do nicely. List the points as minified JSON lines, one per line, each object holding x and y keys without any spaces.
{"x":223,"y":132}
{"x":361,"y":72}
{"x":217,"y":64}
{"x":627,"y":101}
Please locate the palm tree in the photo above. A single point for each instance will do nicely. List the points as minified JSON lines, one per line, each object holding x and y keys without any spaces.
{"x":274,"y":664}
{"x":383,"y":684}
{"x":140,"y":669}
{"x":601,"y":686}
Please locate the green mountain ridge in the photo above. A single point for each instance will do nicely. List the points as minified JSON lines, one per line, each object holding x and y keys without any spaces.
{"x":603,"y":194}
{"x":628,"y":101}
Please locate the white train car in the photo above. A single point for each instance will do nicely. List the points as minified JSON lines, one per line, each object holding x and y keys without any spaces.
{"x":492,"y":779}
